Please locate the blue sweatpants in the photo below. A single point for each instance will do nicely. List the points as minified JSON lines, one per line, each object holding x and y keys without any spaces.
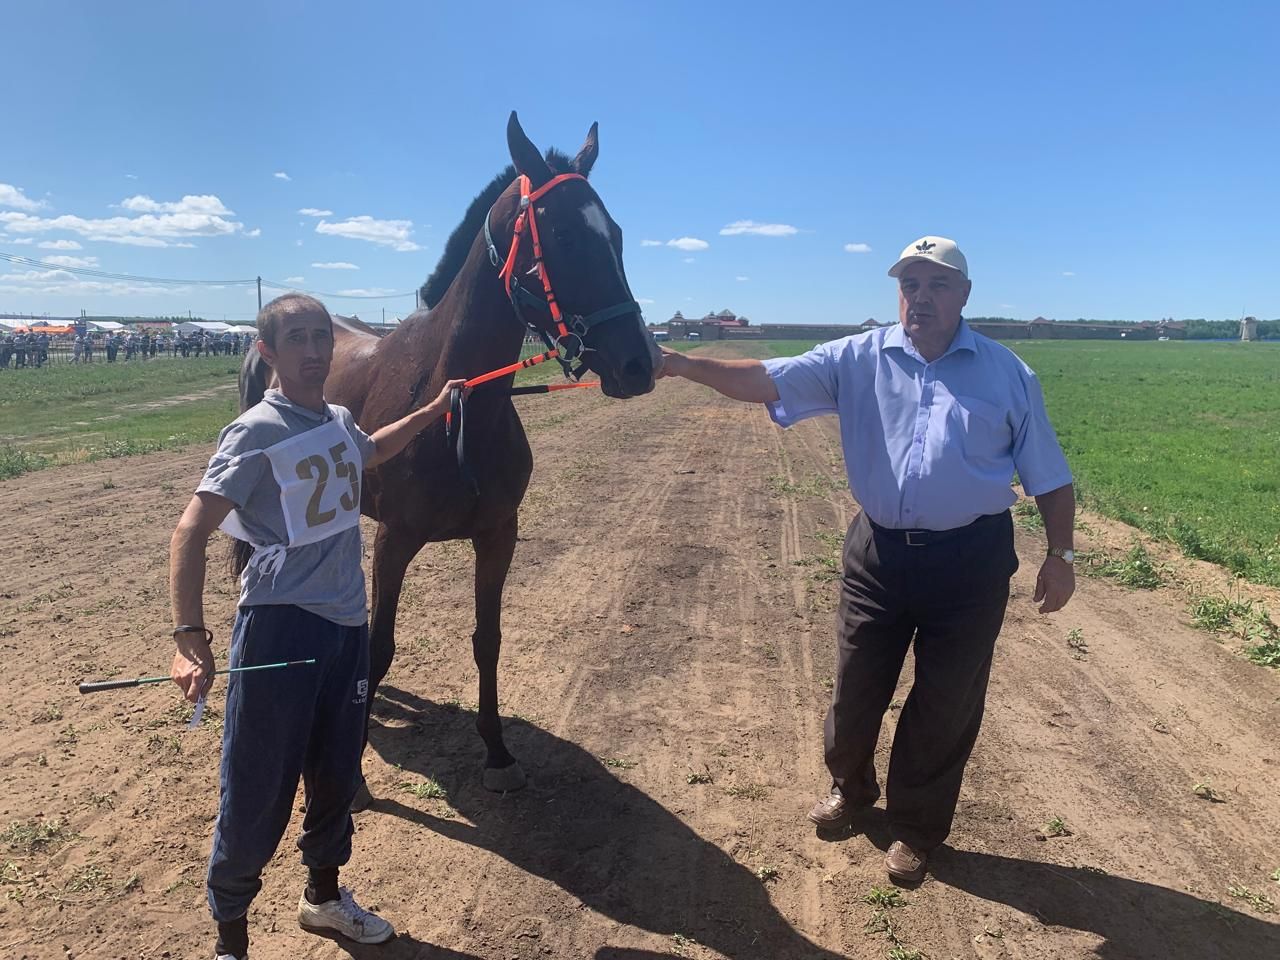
{"x":305,"y":720}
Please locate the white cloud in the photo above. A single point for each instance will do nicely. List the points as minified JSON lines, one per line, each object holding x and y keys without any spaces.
{"x":1007,"y":306}
{"x":72,"y":261}
{"x":255,"y":232}
{"x":132,"y":176}
{"x":59,"y":283}
{"x":759,"y":229}
{"x":690,"y":259}
{"x":387,"y":233}
{"x":742,"y":279}
{"x":366,"y":292}
{"x":688,"y":243}
{"x":299,"y":243}
{"x":294,"y":279}
{"x":162,"y":227}
{"x":21,"y":242}
{"x":1068,"y":273}
{"x":59,"y":245}
{"x":643,"y":300}
{"x":281,"y":175}
{"x":335,"y":265}
{"x":857,"y":248}
{"x":202,"y":203}
{"x":11,"y":196}
{"x":650,"y":243}
{"x":313,"y":212}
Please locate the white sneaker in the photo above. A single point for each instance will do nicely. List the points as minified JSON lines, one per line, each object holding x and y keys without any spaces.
{"x":227,"y":956}
{"x":344,"y":916}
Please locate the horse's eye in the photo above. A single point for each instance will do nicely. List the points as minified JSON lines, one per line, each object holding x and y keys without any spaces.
{"x":564,"y":239}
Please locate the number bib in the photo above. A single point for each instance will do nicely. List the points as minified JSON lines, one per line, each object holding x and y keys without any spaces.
{"x":319,"y":476}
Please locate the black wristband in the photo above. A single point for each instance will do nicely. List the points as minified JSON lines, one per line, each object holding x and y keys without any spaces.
{"x":187,"y":628}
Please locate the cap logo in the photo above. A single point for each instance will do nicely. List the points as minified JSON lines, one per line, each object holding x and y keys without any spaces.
{"x":924,"y":246}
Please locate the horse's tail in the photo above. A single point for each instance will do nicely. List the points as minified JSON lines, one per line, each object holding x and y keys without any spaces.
{"x":254,"y":374}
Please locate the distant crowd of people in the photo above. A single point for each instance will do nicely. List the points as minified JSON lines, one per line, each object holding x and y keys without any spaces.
{"x":31,"y":349}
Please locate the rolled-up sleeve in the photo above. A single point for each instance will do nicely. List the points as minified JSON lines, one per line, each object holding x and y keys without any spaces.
{"x":1037,"y":455}
{"x":808,"y":385}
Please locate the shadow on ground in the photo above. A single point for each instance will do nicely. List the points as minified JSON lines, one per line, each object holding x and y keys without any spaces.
{"x":593,"y":835}
{"x":1135,"y":919}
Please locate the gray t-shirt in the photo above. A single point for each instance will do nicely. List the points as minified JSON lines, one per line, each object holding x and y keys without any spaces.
{"x":324,"y":578}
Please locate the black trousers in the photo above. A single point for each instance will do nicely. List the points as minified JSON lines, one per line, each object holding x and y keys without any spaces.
{"x":947,"y":592}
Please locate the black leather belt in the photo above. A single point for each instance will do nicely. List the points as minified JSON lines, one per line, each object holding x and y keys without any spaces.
{"x":922,"y":538}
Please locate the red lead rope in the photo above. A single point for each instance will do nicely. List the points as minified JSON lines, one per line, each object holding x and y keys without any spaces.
{"x":515,"y":368}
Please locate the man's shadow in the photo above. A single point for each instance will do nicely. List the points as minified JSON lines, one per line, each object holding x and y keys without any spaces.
{"x":593,"y":835}
{"x":1136,"y":920}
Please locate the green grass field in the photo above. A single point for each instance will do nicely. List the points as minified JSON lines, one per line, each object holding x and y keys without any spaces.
{"x":1180,"y":439}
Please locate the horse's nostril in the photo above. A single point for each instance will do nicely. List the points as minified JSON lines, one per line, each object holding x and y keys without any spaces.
{"x":634,"y":369}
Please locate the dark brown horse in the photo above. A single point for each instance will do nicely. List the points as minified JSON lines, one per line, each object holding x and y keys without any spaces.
{"x":420,"y":496}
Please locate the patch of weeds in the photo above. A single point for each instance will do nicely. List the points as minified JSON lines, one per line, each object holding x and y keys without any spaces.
{"x":88,"y":878}
{"x":107,"y":800}
{"x":886,"y":898}
{"x":133,"y":883}
{"x":50,"y":713}
{"x":682,"y":943}
{"x":895,"y":704}
{"x":766,"y":874}
{"x":1275,"y":875}
{"x":1079,"y":646}
{"x":1055,"y":827}
{"x":900,"y":952}
{"x":68,"y":735}
{"x":1027,"y":516}
{"x":1260,"y":902}
{"x":41,"y":760}
{"x":828,"y":684}
{"x":30,"y":836}
{"x":693,"y":777}
{"x":815,"y":486}
{"x":427,"y":789}
{"x":180,"y":882}
{"x":108,"y":484}
{"x":770,"y":652}
{"x":1204,"y":790}
{"x":15,"y":462}
{"x":617,"y":763}
{"x":752,"y":791}
{"x":159,"y":743}
{"x":1246,"y":620}
{"x":1133,"y":569}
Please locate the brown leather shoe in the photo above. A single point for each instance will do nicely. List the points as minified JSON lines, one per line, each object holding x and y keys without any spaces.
{"x":905,"y":864}
{"x":832,"y":812}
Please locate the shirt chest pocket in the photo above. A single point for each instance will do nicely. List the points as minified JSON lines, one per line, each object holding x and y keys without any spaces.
{"x":981,"y":429}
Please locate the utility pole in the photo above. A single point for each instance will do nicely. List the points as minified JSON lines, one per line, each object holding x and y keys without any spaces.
{"x":384,"y":316}
{"x":259,"y":294}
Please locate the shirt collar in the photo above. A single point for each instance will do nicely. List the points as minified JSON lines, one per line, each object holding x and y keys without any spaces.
{"x":278,"y":399}
{"x":963,"y":340}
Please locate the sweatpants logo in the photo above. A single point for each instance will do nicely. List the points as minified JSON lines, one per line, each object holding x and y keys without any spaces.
{"x":362,"y":691}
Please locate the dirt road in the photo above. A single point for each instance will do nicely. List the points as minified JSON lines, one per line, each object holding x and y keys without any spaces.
{"x":668,"y":619}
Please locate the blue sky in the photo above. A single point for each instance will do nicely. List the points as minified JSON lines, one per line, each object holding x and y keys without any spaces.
{"x":1109,"y":160}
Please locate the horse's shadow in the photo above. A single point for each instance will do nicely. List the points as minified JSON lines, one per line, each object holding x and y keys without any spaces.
{"x":593,"y":835}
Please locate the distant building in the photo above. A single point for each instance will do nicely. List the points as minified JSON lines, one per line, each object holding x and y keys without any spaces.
{"x":1249,"y":328}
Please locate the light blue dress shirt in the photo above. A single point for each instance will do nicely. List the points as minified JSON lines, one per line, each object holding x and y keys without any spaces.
{"x":927,"y":446}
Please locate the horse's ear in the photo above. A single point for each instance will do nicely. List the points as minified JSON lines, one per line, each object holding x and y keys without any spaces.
{"x":586,"y":158}
{"x":525,"y":155}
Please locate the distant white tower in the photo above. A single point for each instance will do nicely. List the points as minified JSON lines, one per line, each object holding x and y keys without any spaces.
{"x":1249,"y":328}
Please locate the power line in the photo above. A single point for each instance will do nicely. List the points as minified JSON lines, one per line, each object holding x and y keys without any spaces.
{"x":94,"y":274}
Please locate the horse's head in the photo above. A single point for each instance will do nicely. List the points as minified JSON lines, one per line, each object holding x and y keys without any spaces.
{"x":564,"y":267}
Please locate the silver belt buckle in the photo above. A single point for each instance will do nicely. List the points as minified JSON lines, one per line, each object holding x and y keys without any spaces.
{"x":917,"y":538}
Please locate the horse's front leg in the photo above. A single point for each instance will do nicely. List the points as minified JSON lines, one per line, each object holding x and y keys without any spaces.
{"x":494,"y":550}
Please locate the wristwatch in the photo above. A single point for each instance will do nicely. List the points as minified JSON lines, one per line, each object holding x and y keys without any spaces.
{"x":1063,"y":553}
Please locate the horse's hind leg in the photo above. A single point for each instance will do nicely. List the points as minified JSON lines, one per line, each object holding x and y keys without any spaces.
{"x":494,"y":550}
{"x":392,"y":551}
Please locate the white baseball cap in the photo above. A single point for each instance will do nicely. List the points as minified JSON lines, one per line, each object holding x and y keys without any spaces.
{"x":938,"y":250}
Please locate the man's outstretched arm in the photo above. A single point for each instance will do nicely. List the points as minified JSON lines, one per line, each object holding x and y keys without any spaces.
{"x":745,"y":380}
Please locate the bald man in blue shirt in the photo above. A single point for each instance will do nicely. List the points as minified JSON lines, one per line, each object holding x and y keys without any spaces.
{"x":935,"y":420}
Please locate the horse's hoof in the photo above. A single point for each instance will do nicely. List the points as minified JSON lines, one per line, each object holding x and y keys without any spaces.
{"x":504,"y":779}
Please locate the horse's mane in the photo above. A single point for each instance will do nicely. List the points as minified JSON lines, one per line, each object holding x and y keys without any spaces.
{"x":459,"y":243}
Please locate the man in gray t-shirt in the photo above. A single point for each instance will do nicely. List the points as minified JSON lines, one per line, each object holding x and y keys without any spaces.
{"x":286,"y":479}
